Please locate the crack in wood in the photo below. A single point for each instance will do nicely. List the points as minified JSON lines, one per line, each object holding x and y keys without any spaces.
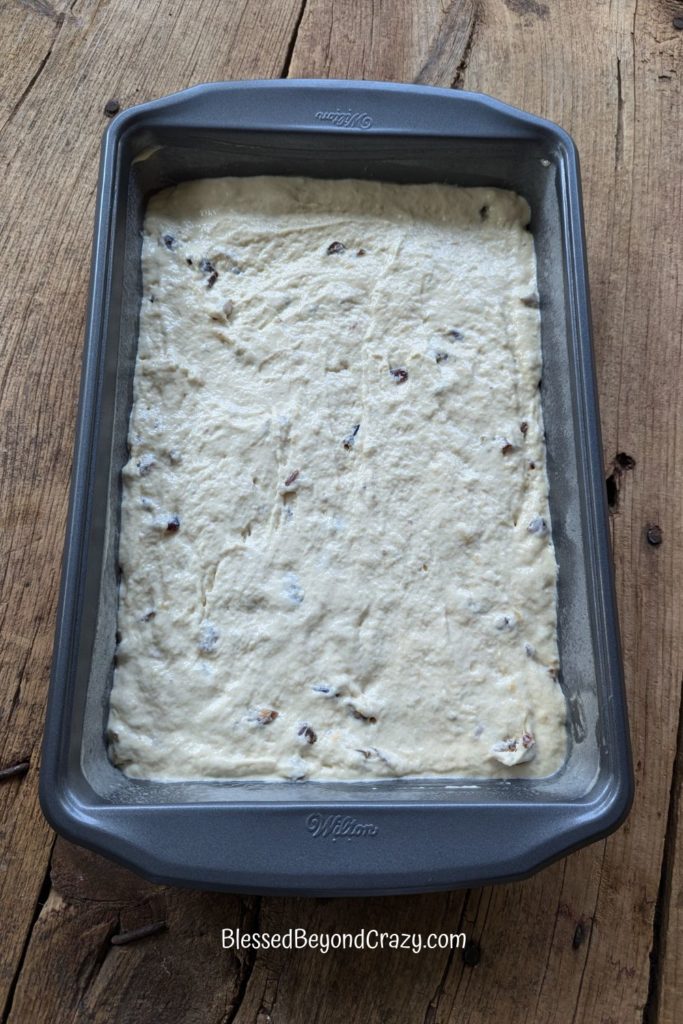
{"x":16,"y":697}
{"x":250,"y":922}
{"x":101,"y":953}
{"x":551,"y":944}
{"x":458,"y":81}
{"x":664,"y":893}
{"x":442,"y":48}
{"x":292,"y":42}
{"x":619,"y":139}
{"x":471,"y":953}
{"x":41,"y":900}
{"x":32,"y":81}
{"x":621,"y":464}
{"x":44,"y":9}
{"x":59,"y":22}
{"x":593,"y":918}
{"x":268,"y":1001}
{"x":433,"y":1005}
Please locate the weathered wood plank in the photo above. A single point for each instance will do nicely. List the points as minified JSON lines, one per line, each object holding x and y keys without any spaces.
{"x":609,"y":76}
{"x":29,"y":31}
{"x":424,"y":42}
{"x":599,"y":76}
{"x":572,"y":943}
{"x":666,"y":989}
{"x":74,"y":972}
{"x":179,"y":973}
{"x":87,"y":52}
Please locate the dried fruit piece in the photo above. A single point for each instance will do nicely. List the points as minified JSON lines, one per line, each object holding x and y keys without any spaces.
{"x":484,"y":212}
{"x":532,"y":301}
{"x":524,"y":426}
{"x":293,"y":476}
{"x":173,"y":525}
{"x":264,"y":716}
{"x":350,"y":439}
{"x":335,"y":247}
{"x":514,"y":751}
{"x":538,"y":525}
{"x":307,"y":733}
{"x":207,"y":267}
{"x":169,"y":241}
{"x":400,"y":374}
{"x":361,"y":252}
{"x":441,"y":357}
{"x":454,"y":334}
{"x":380,"y":755}
{"x":507,"y":447}
{"x":148,"y":615}
{"x":360,"y":715}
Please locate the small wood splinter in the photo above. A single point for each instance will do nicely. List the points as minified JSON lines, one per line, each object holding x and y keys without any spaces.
{"x":15,"y":771}
{"x":123,"y":938}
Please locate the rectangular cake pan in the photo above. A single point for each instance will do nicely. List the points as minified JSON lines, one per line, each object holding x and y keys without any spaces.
{"x":325,"y":838}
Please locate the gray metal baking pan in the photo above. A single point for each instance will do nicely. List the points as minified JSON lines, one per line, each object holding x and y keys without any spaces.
{"x":403,"y":835}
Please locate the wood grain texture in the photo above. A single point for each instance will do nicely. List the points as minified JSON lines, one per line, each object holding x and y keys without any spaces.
{"x":421,"y":42}
{"x":75,"y":971}
{"x":597,"y":937}
{"x":666,"y":983}
{"x":48,"y":161}
{"x":29,"y":31}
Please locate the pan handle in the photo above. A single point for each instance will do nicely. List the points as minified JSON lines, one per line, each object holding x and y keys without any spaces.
{"x":349,"y":107}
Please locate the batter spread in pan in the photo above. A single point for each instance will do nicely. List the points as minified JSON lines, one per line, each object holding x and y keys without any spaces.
{"x":335,"y":537}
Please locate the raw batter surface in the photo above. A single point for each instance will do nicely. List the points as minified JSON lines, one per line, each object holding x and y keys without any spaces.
{"x":335,"y":538}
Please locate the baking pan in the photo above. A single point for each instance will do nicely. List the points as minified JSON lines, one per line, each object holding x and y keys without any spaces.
{"x":326,"y":838}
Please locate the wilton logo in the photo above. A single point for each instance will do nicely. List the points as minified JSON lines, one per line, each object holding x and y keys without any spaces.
{"x":338,"y":826}
{"x":346,"y":118}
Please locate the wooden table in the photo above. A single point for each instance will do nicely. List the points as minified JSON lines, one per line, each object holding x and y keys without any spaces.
{"x":597,"y":937}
